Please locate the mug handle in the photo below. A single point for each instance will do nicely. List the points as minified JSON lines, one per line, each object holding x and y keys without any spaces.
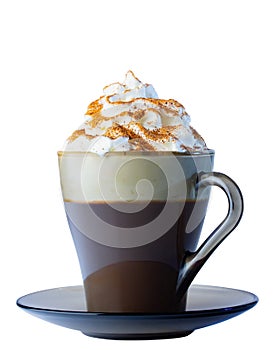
{"x":194,"y":261}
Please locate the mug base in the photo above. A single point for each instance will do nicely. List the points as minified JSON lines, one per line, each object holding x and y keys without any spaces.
{"x":134,"y":287}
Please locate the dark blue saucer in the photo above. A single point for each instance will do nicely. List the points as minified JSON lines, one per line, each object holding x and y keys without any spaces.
{"x":206,"y":306}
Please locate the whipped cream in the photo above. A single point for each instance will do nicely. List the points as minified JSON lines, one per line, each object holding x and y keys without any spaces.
{"x":130,"y":116}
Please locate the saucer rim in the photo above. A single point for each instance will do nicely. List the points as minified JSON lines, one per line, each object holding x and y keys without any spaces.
{"x":182,"y":314}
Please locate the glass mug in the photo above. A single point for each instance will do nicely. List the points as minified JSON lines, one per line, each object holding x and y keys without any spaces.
{"x":136,"y":219}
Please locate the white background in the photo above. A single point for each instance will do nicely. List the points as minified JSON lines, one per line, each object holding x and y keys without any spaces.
{"x":216,"y":57}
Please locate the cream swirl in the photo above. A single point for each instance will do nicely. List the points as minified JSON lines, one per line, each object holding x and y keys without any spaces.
{"x":130,"y":116}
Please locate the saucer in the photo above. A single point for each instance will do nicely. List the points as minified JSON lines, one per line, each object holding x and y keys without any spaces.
{"x":206,"y":306}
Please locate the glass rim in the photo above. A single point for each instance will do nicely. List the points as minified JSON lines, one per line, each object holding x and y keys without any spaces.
{"x":206,"y":153}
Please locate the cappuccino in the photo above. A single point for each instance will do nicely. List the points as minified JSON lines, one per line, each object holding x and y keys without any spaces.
{"x":135,"y":180}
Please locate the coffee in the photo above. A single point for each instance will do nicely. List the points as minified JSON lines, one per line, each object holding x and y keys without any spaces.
{"x":136,"y":220}
{"x":136,"y":279}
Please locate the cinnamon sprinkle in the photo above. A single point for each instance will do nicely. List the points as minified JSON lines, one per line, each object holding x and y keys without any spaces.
{"x":135,"y":130}
{"x":94,"y":107}
{"x":78,"y":133}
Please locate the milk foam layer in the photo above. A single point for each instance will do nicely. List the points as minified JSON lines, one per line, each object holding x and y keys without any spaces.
{"x":130,"y":116}
{"x":130,"y":176}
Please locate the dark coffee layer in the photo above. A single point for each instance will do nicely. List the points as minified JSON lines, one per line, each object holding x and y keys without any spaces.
{"x":128,"y":214}
{"x":141,"y":278}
